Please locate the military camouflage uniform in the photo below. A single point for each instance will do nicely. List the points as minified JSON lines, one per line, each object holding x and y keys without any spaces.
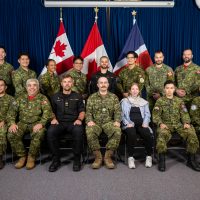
{"x":173,"y":113}
{"x":49,"y":84}
{"x":19,"y":77}
{"x":80,"y":81}
{"x":187,"y":79}
{"x":155,"y":79}
{"x":6,"y":70}
{"x":31,"y":112}
{"x":103,"y":111}
{"x":195,"y":114}
{"x":129,"y":76}
{"x":5,"y":102}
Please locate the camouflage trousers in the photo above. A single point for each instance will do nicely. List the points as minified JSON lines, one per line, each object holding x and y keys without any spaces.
{"x":113,"y":133}
{"x":3,"y":141}
{"x":16,"y":139}
{"x":189,"y":135}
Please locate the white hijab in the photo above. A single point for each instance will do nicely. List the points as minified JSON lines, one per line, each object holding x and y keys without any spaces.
{"x":137,"y":101}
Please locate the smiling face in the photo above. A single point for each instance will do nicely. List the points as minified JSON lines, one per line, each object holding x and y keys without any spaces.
{"x":2,"y":54}
{"x":103,"y":84}
{"x":67,"y":84}
{"x":134,"y":91}
{"x":3,"y":87}
{"x":32,"y":88}
{"x":159,"y":58}
{"x":24,"y":61}
{"x":187,"y":56}
{"x":131,"y":60}
{"x":104,"y":62}
{"x":51,"y":66}
{"x":78,"y":65}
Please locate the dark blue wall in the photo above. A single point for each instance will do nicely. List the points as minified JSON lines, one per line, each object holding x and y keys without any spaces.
{"x":26,"y":25}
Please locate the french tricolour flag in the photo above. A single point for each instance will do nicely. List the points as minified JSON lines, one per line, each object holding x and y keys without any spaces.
{"x":135,"y":43}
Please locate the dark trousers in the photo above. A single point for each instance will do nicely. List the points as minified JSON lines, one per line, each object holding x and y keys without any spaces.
{"x":144,"y":133}
{"x":54,"y":133}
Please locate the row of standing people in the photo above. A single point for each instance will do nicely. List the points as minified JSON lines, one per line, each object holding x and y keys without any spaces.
{"x":123,"y":81}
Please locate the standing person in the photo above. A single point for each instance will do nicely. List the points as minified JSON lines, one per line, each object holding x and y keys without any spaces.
{"x":69,"y":111}
{"x":103,"y":114}
{"x":22,"y":74}
{"x":49,"y":82}
{"x":170,"y":115}
{"x":104,"y":66}
{"x":6,"y":70}
{"x":34,"y":112}
{"x":80,"y":79}
{"x":133,"y":73}
{"x":135,"y":120}
{"x":156,"y":75}
{"x":6,"y":102}
{"x":186,"y":77}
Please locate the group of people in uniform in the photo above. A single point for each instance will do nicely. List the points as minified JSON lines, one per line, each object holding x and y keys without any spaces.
{"x":70,"y":104}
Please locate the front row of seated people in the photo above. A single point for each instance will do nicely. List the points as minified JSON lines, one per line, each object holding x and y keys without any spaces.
{"x":66,"y":114}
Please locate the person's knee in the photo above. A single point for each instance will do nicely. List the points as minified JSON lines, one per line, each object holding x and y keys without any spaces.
{"x":52,"y":133}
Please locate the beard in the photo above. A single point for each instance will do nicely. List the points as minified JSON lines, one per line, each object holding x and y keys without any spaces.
{"x":159,"y":62}
{"x":187,"y":60}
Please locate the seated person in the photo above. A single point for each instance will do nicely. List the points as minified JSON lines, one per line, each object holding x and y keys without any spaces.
{"x":170,"y":115}
{"x":69,"y":111}
{"x":195,"y":114}
{"x":34,"y":112}
{"x":103,"y":114}
{"x":5,"y":102}
{"x":135,"y":120}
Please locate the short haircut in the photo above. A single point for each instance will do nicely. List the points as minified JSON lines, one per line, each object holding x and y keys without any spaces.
{"x":135,"y":55}
{"x":32,"y":80}
{"x":169,"y":82}
{"x":2,"y":47}
{"x":66,"y":76}
{"x":48,"y":61}
{"x":3,"y":81}
{"x":23,"y":54}
{"x":104,"y":57}
{"x":102,"y":77}
{"x":159,"y":51}
{"x":188,"y":49}
{"x":77,"y":58}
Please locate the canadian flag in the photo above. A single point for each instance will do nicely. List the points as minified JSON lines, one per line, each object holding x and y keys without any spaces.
{"x":92,"y":52}
{"x":61,"y":52}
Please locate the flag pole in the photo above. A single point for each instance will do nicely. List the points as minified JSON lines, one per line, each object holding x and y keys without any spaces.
{"x":96,"y":10}
{"x":134,"y":13}
{"x":61,"y":15}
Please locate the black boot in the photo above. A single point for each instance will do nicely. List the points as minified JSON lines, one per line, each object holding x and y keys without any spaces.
{"x":77,"y":163}
{"x":161,"y":162}
{"x":191,"y":162}
{"x":54,"y":165}
{"x":2,"y":164}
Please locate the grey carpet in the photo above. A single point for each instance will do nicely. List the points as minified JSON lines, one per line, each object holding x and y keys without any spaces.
{"x":177,"y":183}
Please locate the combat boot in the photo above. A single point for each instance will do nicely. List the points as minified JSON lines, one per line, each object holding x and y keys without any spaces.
{"x":108,"y":160}
{"x":21,"y":162}
{"x":161,"y":162}
{"x":1,"y":162}
{"x":98,"y":160}
{"x":30,"y":162}
{"x":191,"y":162}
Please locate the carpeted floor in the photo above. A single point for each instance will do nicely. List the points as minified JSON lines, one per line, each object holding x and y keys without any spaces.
{"x":177,"y":183}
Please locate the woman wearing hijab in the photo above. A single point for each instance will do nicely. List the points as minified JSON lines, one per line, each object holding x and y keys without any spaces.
{"x":135,"y":120}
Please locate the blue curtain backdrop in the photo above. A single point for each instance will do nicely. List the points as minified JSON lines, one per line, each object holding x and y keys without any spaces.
{"x":29,"y":26}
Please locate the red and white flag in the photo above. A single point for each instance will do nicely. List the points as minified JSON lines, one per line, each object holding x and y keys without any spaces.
{"x":92,"y":52}
{"x":61,"y":52}
{"x":135,"y":43}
